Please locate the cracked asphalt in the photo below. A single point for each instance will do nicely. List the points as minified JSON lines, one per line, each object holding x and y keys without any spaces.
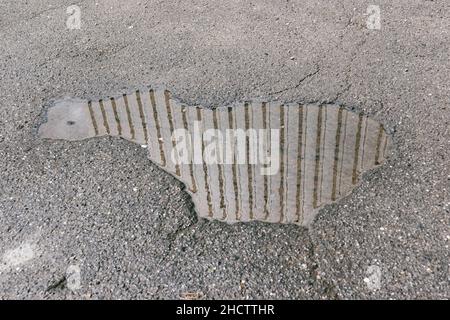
{"x":101,"y":206}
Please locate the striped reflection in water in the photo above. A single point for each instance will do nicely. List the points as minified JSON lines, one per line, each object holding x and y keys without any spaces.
{"x":321,"y":150}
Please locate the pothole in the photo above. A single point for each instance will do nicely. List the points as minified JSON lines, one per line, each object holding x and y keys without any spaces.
{"x":255,"y":160}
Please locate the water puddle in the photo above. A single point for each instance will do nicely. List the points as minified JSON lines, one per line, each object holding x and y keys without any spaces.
{"x":263,"y":161}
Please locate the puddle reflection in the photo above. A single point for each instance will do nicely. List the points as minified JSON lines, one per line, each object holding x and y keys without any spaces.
{"x":262,"y":161}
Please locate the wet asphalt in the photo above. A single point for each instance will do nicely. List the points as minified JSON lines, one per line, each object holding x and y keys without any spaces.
{"x":101,"y":207}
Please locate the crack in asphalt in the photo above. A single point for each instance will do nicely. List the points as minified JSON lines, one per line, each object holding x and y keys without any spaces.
{"x":39,"y":13}
{"x":173,"y":236}
{"x":306,"y":77}
{"x":330,"y":289}
{"x":348,"y":71}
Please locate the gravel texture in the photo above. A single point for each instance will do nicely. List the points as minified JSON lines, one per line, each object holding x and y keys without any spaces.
{"x":101,"y":206}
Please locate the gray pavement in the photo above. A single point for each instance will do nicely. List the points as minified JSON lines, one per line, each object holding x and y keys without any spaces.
{"x":100,"y":206}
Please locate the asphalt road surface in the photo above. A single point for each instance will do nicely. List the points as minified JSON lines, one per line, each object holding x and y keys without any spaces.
{"x":96,"y":219}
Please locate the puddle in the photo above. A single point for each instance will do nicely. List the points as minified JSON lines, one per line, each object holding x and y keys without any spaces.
{"x":263,"y":161}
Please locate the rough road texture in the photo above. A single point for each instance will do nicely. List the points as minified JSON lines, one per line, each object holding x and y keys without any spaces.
{"x":130,"y":228}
